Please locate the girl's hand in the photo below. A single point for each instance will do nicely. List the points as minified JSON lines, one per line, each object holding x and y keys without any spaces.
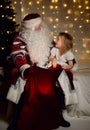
{"x":69,"y":65}
{"x":65,"y":66}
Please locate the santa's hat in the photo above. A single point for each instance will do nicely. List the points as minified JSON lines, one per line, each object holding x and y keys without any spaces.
{"x":32,"y":20}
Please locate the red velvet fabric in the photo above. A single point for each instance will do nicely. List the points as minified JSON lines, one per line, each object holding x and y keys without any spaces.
{"x":41,"y":110}
{"x":14,"y":75}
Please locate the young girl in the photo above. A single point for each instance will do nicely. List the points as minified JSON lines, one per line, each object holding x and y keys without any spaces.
{"x":62,"y":54}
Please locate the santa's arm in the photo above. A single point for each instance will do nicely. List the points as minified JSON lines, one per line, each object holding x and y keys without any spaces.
{"x":19,"y":54}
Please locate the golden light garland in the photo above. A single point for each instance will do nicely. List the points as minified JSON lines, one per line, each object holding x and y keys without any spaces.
{"x":71,"y":16}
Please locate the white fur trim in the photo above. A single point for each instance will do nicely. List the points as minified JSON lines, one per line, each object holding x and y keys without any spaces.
{"x":71,"y":98}
{"x":20,"y":38}
{"x":20,"y":51}
{"x":16,"y":43}
{"x":23,"y":68}
{"x":16,"y":90}
{"x":22,"y":47}
{"x":32,"y":23}
{"x":20,"y":84}
{"x":70,"y":95}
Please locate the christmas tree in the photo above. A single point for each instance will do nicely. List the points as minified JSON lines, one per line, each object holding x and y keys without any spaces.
{"x":7,"y":29}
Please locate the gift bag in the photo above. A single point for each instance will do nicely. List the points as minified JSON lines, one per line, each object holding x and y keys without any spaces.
{"x":16,"y":90}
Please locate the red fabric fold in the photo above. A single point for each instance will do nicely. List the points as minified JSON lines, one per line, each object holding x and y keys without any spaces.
{"x":41,"y":110}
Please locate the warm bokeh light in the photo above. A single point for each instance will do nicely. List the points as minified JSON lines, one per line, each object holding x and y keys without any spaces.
{"x":71,"y":16}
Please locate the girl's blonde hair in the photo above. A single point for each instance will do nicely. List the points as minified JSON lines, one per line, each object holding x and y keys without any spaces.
{"x":67,"y":40}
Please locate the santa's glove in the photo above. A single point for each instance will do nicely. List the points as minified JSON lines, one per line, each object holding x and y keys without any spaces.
{"x":14,"y":75}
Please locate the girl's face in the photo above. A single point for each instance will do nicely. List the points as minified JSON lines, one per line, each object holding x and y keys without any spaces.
{"x":59,"y":42}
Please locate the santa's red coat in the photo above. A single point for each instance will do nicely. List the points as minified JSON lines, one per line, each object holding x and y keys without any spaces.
{"x":40,"y":110}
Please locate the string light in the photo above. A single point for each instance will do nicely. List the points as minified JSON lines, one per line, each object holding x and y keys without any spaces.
{"x":51,"y":7}
{"x":30,"y":3}
{"x":56,"y":7}
{"x":0,"y":6}
{"x":15,"y":2}
{"x":22,"y":9}
{"x":81,"y":12}
{"x":43,"y":12}
{"x":8,"y":32}
{"x":57,"y":19}
{"x":84,"y":45}
{"x":80,"y":26}
{"x":65,"y":5}
{"x":14,"y":20}
{"x":2,"y":48}
{"x":38,"y":2}
{"x":67,"y":17}
{"x":80,"y":6}
{"x":87,"y":20}
{"x":54,"y":26}
{"x":87,"y":51}
{"x":86,"y":2}
{"x":20,"y":2}
{"x":7,"y":7}
{"x":87,"y":7}
{"x":2,"y":16}
{"x":66,"y":31}
{"x":54,"y":1}
{"x":75,"y":19}
{"x":69,"y":11}
{"x":71,"y":25}
{"x":43,"y":7}
{"x":51,"y":19}
{"x":74,"y":1}
{"x":76,"y":51}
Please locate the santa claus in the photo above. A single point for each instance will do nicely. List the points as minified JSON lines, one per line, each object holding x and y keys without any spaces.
{"x":38,"y":105}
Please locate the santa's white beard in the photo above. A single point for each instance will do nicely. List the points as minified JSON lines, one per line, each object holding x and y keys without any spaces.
{"x":38,"y":45}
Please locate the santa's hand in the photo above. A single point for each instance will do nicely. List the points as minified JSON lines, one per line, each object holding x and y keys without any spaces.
{"x":54,"y":63}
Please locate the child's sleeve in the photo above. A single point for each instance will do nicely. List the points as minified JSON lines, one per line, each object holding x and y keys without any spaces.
{"x":53,"y":52}
{"x":71,"y":56}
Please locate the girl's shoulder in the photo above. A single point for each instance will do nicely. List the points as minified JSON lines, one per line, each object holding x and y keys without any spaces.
{"x":69,"y":53}
{"x":54,"y":49}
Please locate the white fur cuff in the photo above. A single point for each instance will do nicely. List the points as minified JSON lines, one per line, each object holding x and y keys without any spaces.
{"x":23,"y":68}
